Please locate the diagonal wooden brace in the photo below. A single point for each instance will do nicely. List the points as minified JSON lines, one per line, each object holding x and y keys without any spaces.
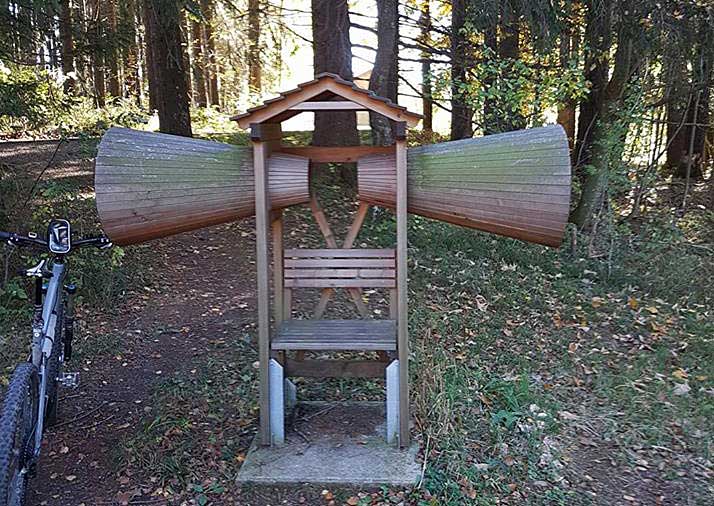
{"x":326,"y":293}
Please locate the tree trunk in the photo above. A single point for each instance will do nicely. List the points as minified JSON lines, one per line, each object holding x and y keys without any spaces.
{"x":509,"y":49}
{"x":67,"y":45}
{"x":598,"y":40}
{"x":199,"y":71}
{"x":566,"y":110}
{"x":151,"y":74}
{"x":461,"y":112}
{"x":130,"y":51}
{"x":427,"y":101}
{"x":384,"y":80}
{"x":210,"y":44}
{"x":163,"y":20}
{"x":113,"y":82}
{"x":254,"y":49}
{"x":490,"y":115}
{"x":333,"y":53}
{"x":606,"y":138}
{"x":97,"y":38}
{"x":679,"y":97}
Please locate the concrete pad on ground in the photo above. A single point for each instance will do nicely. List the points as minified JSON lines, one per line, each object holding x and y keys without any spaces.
{"x":339,"y":444}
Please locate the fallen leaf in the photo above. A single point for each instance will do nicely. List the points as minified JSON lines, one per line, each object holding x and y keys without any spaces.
{"x":682,"y":389}
{"x":70,"y":477}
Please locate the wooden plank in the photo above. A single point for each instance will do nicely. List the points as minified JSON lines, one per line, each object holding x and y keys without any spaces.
{"x":362,"y":263}
{"x":335,"y":154}
{"x":262,"y":206}
{"x":334,"y":368}
{"x":340,"y":253}
{"x":402,"y":314}
{"x":341,"y":283}
{"x":287,"y":304}
{"x":277,"y":230}
{"x":340,"y":273}
{"x":328,"y":105}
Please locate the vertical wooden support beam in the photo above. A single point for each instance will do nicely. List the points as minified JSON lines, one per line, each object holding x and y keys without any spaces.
{"x":277,"y":229}
{"x":261,"y":151}
{"x":402,"y":321}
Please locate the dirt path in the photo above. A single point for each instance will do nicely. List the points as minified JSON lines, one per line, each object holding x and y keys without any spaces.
{"x":157,"y":333}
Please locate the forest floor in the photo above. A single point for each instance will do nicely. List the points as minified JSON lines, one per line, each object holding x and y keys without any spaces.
{"x":539,"y":376}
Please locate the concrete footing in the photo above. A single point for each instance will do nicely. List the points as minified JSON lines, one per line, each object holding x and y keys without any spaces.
{"x":341,"y":444}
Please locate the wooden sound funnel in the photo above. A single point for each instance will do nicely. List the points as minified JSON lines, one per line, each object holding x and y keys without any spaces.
{"x":515,"y":184}
{"x":152,"y":185}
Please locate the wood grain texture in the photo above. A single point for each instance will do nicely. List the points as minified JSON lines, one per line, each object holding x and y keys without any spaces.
{"x":152,"y":185}
{"x":346,"y":335}
{"x":515,"y":184}
{"x":339,"y":268}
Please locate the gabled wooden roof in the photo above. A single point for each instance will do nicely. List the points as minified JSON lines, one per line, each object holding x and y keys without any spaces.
{"x":326,"y":88}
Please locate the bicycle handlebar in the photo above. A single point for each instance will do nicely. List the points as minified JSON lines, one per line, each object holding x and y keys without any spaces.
{"x":22,"y":240}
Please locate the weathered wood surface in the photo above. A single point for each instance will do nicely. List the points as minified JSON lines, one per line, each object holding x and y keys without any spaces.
{"x":152,"y":185}
{"x":335,"y":368}
{"x":347,"y":335}
{"x":515,"y":184}
{"x":339,"y":268}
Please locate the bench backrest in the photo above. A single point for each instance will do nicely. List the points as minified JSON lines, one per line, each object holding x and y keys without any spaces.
{"x":340,"y":268}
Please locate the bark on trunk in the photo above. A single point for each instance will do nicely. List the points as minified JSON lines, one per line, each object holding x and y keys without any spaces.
{"x":333,"y":53}
{"x":566,"y":110}
{"x":210,"y":44}
{"x":198,"y":68}
{"x":427,"y":101}
{"x":67,"y":45}
{"x":113,"y":80}
{"x":96,"y":38}
{"x":163,"y":19}
{"x":384,"y":80}
{"x":461,"y":112}
{"x":151,"y":77}
{"x":605,"y":144}
{"x":254,"y":49}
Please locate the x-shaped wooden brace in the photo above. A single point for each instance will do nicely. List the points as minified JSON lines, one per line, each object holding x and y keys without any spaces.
{"x":327,"y":293}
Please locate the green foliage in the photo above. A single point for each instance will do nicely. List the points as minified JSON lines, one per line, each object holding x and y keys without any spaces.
{"x":29,"y":100}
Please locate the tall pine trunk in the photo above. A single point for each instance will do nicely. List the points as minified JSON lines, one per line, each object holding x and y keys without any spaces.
{"x":67,"y":45}
{"x":384,"y":80}
{"x":112,"y":55}
{"x":605,"y":140}
{"x":207,"y":9}
{"x":568,"y":51}
{"x":97,"y":40}
{"x":198,"y":67}
{"x":332,"y":52}
{"x":163,"y":21}
{"x":461,"y":112}
{"x":427,"y":100}
{"x":254,"y":49}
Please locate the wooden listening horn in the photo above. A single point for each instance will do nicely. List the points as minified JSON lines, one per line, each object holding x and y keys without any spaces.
{"x":152,"y":185}
{"x":515,"y":184}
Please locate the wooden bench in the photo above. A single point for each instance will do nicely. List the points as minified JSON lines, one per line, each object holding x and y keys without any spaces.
{"x":337,"y":268}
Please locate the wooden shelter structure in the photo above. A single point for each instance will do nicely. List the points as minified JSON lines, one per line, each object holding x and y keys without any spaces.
{"x":330,"y":268}
{"x":151,"y":185}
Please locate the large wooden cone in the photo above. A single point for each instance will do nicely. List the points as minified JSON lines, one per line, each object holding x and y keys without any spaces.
{"x":151,"y":185}
{"x":515,"y":184}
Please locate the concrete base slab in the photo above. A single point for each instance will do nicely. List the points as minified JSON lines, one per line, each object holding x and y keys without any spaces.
{"x":333,"y":443}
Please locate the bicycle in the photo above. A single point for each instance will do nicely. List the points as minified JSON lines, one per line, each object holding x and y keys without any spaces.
{"x":31,"y":399}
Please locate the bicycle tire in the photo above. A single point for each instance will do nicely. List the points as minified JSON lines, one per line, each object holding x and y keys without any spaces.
{"x":17,"y":427}
{"x":53,"y":371}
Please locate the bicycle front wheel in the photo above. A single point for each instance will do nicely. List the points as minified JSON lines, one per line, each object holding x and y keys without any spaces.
{"x":17,"y":428}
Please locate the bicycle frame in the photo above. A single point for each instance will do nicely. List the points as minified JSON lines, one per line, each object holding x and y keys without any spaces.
{"x":43,"y":335}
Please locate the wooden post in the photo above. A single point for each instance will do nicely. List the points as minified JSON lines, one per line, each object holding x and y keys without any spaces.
{"x":260,"y":159}
{"x":402,"y":322}
{"x":277,"y":228}
{"x":264,"y":137}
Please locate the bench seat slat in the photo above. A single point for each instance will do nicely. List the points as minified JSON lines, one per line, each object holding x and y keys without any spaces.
{"x":346,"y":335}
{"x":339,"y":273}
